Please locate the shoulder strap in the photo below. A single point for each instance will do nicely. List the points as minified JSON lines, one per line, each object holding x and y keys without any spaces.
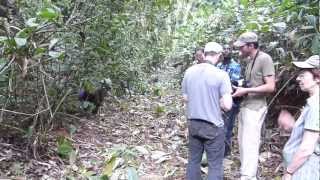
{"x":254,"y":60}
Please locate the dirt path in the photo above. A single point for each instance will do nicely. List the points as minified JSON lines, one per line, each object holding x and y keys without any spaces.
{"x":146,"y":133}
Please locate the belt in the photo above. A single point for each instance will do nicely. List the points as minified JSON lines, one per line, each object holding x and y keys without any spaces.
{"x":201,"y":120}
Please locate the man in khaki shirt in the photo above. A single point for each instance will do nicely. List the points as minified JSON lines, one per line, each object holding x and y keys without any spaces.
{"x":259,"y":81}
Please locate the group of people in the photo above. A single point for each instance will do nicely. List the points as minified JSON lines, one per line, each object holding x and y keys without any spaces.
{"x":215,"y":95}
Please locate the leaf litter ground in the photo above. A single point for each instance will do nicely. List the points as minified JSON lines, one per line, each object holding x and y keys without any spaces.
{"x":157,"y":138}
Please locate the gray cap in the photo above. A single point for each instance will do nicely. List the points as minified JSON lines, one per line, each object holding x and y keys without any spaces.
{"x":310,"y":63}
{"x":244,"y":38}
{"x":213,"y":47}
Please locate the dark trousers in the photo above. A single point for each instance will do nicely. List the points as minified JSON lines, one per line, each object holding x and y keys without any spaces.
{"x":204,"y":136}
{"x":229,"y":118}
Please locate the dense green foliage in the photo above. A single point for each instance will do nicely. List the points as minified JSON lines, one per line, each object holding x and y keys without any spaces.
{"x":287,"y":29}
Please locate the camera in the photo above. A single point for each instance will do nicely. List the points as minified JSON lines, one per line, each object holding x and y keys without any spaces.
{"x":241,"y":83}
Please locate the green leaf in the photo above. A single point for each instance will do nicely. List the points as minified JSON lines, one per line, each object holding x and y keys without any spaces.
{"x":132,"y":174}
{"x":64,"y":147}
{"x":252,"y":26}
{"x":39,"y":51}
{"x":20,"y":41}
{"x":315,"y":48}
{"x":265,"y":28}
{"x":85,"y":104}
{"x":157,"y":91}
{"x":48,"y":14}
{"x":277,"y":178}
{"x":300,"y":14}
{"x":88,"y":86}
{"x":72,"y":128}
{"x":52,"y":92}
{"x":280,"y":27}
{"x":306,"y":27}
{"x":311,"y":20}
{"x":56,"y":54}
{"x":104,"y":177}
{"x":53,"y":42}
{"x":244,"y":3}
{"x":3,"y":38}
{"x":29,"y":132}
{"x":163,"y":3}
{"x":32,"y":22}
{"x":159,"y":109}
{"x":24,"y":33}
{"x":70,"y":178}
{"x":107,"y":170}
{"x":94,"y":177}
{"x":2,"y":60}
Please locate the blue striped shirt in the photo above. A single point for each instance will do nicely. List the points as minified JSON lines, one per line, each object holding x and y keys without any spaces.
{"x":233,"y":69}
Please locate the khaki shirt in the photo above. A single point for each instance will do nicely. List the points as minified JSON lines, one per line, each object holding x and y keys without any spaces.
{"x":262,"y":67}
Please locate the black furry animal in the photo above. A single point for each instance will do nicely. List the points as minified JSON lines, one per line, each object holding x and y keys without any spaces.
{"x":95,"y":97}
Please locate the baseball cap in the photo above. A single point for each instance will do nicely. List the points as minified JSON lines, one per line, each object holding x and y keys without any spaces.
{"x":311,"y":62}
{"x":244,"y":38}
{"x":213,"y":47}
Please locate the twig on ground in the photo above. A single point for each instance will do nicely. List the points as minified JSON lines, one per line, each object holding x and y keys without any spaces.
{"x":70,"y":115}
{"x":6,"y":66}
{"x":72,"y":15}
{"x":12,"y":127}
{"x":22,"y":113}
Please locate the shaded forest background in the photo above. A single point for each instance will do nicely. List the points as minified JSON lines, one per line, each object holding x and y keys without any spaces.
{"x":50,"y":50}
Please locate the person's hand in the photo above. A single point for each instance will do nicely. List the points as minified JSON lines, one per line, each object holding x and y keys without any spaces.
{"x":221,"y":104}
{"x":286,"y":176}
{"x":184,"y":98}
{"x":285,"y":120}
{"x":239,"y":91}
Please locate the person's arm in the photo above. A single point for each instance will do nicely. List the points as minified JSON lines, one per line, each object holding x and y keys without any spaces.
{"x":185,"y":98}
{"x":226,"y":102}
{"x":306,"y":148}
{"x":286,"y":121}
{"x":268,"y":72}
{"x":225,"y":91}
{"x":267,"y":87}
{"x":309,"y":140}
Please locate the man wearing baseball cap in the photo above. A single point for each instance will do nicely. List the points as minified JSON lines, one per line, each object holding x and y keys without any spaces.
{"x":259,"y":81}
{"x":206,"y":90}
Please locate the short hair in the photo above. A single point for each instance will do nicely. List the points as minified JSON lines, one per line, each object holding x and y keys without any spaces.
{"x":199,"y":49}
{"x":315,"y":73}
{"x":255,"y":44}
{"x":210,"y":53}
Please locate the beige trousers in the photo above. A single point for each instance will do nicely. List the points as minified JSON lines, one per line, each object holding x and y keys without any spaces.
{"x":249,"y":134}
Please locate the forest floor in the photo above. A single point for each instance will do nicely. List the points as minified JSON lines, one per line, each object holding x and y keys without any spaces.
{"x":148,"y":134}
